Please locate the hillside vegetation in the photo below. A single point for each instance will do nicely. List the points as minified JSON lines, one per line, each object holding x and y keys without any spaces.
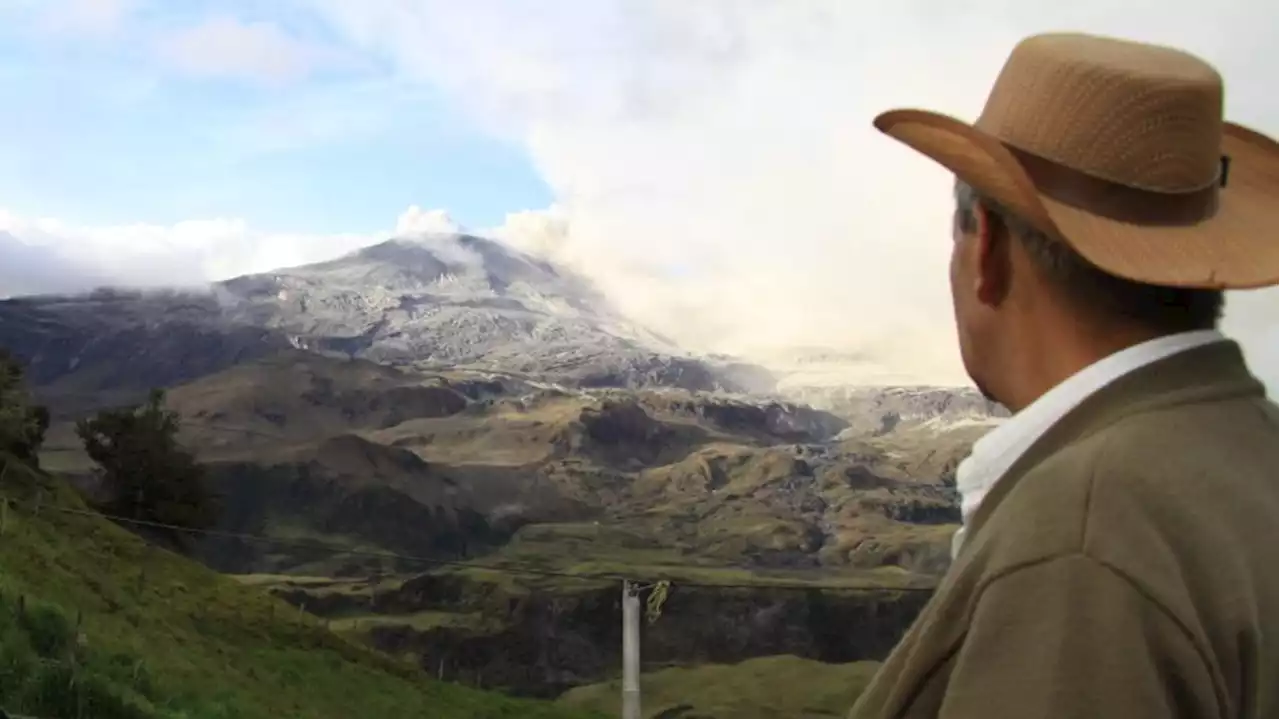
{"x":94,"y":623}
{"x":709,"y":491}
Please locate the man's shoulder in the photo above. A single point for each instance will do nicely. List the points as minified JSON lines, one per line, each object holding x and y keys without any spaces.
{"x":1210,"y":430}
{"x":1177,"y":454}
{"x":1179,"y":496}
{"x":1186,"y":465}
{"x":1156,"y":493}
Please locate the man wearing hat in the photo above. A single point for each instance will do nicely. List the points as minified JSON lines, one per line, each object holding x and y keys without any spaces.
{"x":1119,"y":550}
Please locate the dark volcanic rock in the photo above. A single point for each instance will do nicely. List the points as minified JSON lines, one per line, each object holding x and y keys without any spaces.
{"x":617,"y":422}
{"x":918,"y":510}
{"x":773,"y":420}
{"x":788,"y":423}
{"x":621,"y":432}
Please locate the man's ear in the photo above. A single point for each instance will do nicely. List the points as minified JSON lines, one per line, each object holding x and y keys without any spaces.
{"x":991,"y":247}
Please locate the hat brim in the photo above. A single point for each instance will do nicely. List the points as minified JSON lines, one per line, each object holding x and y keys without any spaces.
{"x":1235,"y":248}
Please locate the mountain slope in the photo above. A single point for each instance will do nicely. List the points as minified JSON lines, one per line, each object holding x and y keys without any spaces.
{"x":148,"y":634}
{"x":110,"y":346}
{"x":434,"y":302}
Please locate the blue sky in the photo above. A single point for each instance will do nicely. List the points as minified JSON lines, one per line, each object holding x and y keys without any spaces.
{"x":108,"y":134}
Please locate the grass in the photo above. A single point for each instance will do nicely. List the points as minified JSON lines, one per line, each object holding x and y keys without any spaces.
{"x":763,"y":688}
{"x":45,"y":669}
{"x":93,"y":618}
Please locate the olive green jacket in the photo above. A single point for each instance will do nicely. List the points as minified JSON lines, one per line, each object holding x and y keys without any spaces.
{"x":1125,"y":566}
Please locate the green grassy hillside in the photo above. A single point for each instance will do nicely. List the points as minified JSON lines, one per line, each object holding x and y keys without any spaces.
{"x":94,"y":623}
{"x":765,"y":688}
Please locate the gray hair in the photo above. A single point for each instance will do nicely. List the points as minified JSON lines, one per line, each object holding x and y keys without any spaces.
{"x":1164,"y":310}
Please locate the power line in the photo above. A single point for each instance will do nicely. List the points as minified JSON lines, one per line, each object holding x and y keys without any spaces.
{"x":500,"y":569}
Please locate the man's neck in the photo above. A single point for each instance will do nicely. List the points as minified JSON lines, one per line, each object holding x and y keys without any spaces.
{"x":1054,"y":356}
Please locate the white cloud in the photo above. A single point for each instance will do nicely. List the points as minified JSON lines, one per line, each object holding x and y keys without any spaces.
{"x":190,"y":253}
{"x":714,"y":161}
{"x":94,"y":18}
{"x":224,"y":47}
{"x":416,"y":221}
{"x":46,"y":255}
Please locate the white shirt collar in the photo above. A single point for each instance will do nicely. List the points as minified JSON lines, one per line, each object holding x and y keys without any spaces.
{"x":996,"y":452}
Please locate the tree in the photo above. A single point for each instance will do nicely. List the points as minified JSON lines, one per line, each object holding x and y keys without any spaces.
{"x":22,"y":422}
{"x":145,"y":473}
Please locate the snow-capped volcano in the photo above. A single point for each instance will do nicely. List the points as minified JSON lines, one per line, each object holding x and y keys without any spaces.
{"x":434,"y":301}
{"x":447,"y":301}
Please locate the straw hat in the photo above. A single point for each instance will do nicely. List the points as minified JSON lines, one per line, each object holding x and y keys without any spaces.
{"x":1119,"y":149}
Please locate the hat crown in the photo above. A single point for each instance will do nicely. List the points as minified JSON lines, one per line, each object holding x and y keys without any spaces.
{"x":1134,"y":114}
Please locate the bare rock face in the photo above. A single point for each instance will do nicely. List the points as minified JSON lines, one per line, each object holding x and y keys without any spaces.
{"x":616,"y":422}
{"x":621,"y":433}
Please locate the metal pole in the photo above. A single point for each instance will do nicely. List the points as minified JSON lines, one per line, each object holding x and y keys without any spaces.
{"x":630,"y":650}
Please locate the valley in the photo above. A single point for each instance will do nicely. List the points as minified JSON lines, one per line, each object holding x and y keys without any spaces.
{"x":453,"y":453}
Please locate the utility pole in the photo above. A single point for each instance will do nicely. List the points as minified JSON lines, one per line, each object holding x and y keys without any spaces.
{"x":630,"y":650}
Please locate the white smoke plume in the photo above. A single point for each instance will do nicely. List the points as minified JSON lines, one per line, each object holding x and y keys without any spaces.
{"x":714,"y":162}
